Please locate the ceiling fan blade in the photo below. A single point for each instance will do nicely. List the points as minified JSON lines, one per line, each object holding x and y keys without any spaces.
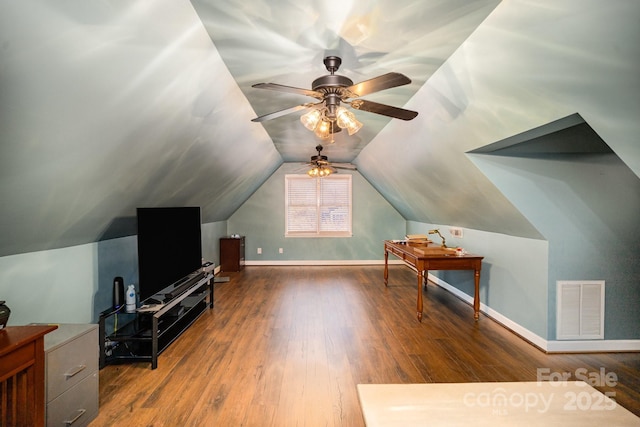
{"x":284,"y":112}
{"x":290,"y":89}
{"x":379,"y":83}
{"x":347,"y":167}
{"x":385,"y":110}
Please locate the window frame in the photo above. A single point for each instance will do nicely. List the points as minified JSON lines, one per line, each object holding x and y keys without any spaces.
{"x":319,"y":205}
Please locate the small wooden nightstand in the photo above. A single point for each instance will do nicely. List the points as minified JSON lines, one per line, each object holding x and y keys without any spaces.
{"x":231,"y":253}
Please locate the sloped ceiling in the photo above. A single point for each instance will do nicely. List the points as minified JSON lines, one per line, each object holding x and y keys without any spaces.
{"x":285,"y":41}
{"x":107,"y":105}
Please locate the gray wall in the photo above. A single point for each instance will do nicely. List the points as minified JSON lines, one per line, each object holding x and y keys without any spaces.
{"x":74,"y":284}
{"x":587,"y":206}
{"x":261,"y":220}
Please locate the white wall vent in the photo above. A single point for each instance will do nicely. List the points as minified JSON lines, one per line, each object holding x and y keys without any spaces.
{"x":580,"y":310}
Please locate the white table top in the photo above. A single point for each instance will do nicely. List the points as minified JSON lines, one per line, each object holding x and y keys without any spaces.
{"x":548,"y":404}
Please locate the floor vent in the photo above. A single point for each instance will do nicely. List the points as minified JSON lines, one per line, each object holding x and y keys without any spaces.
{"x":580,"y":310}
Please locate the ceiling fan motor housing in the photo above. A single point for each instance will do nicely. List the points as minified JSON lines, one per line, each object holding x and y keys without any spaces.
{"x":319,"y":157}
{"x":331,"y":81}
{"x":331,"y":85}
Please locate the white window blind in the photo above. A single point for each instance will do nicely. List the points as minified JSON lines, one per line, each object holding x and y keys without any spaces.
{"x":318,"y":207}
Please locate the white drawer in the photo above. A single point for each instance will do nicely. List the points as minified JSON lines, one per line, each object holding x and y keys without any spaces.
{"x":77,"y":406}
{"x":70,"y":362}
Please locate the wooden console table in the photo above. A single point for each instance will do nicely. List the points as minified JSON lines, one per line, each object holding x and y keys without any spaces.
{"x":22,"y":375}
{"x":428,"y":256}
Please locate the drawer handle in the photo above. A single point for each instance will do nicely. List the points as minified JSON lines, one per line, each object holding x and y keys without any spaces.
{"x":80,"y":413}
{"x":75,"y":371}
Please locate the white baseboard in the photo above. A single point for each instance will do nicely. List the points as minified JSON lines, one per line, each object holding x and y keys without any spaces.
{"x":582,"y":346}
{"x":595,"y":346}
{"x":535,"y":339}
{"x":321,"y":262}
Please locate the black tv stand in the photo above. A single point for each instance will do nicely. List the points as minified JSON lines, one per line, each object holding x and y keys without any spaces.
{"x":181,"y":286}
{"x":144,"y":335}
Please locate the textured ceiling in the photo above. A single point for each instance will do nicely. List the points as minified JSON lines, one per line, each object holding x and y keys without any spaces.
{"x":285,"y":41}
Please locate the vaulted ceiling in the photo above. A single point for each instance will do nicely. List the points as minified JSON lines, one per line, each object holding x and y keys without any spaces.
{"x":285,"y":42}
{"x":107,"y":105}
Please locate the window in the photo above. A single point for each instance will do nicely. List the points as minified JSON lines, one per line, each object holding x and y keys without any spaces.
{"x":318,"y":207}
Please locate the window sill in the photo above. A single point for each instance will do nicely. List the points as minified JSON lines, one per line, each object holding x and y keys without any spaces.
{"x":315,"y":235}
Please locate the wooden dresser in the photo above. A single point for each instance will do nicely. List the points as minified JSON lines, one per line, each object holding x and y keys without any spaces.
{"x":22,"y":369}
{"x":71,"y":354}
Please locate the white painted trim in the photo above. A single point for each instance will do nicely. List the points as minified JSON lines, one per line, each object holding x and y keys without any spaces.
{"x":533,"y":338}
{"x":595,"y":346}
{"x":582,"y":346}
{"x":323,"y":262}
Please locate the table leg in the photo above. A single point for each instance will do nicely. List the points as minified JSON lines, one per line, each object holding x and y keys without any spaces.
{"x":476,"y":296}
{"x":426,"y":278}
{"x":386,"y":268}
{"x":211,"y":290}
{"x":419,"y":295}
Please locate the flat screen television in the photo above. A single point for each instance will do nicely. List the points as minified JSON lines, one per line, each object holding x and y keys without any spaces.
{"x":169,"y":247}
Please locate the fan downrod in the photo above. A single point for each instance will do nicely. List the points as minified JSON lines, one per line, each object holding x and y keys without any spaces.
{"x":332,"y":63}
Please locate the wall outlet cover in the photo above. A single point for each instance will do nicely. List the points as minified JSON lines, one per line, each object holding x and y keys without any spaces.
{"x":456,"y":232}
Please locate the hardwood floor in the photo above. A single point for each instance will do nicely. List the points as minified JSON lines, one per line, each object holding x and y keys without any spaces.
{"x":286,"y":346}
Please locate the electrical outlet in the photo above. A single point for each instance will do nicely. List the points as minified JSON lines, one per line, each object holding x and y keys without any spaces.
{"x":456,"y":232}
{"x":280,"y":251}
{"x":259,"y":251}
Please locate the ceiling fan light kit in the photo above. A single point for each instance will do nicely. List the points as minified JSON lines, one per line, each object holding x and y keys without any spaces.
{"x":347,"y":120}
{"x":323,"y":129}
{"x":327,"y":116}
{"x":320,"y":122}
{"x":319,"y":172}
{"x":311,"y":119}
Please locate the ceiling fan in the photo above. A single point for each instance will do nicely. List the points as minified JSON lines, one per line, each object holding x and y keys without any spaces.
{"x":327,"y":116}
{"x":321,"y":167}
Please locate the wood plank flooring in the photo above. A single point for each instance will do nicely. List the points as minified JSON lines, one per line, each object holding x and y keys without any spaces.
{"x":286,"y":346}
